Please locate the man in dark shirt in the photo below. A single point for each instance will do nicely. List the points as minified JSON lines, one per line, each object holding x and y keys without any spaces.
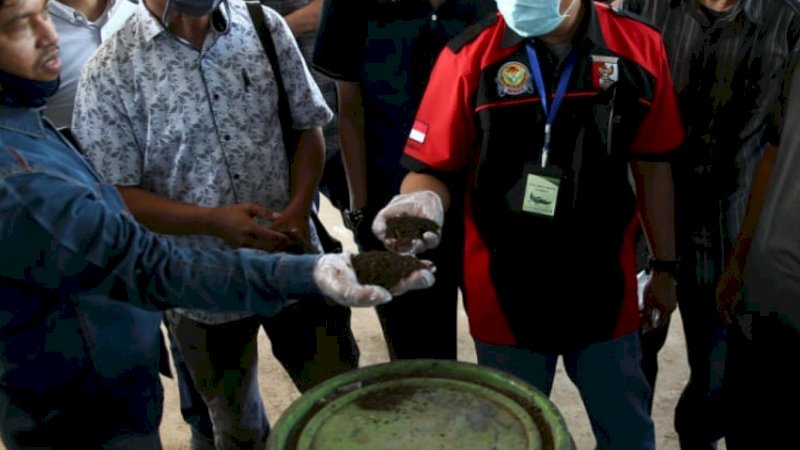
{"x":380,"y":53}
{"x":730,"y":61}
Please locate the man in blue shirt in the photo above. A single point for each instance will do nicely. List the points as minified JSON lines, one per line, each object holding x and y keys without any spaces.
{"x":79,"y":276}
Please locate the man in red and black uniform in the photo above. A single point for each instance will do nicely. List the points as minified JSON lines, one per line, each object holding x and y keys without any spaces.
{"x":550,"y":210}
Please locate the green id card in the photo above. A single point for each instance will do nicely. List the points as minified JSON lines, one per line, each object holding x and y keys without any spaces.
{"x":536,"y":190}
{"x":541,"y":194}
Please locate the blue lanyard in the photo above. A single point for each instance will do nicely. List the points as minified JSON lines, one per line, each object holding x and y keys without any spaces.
{"x":550,"y":111}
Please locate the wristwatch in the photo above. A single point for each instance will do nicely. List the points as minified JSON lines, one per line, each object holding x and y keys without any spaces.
{"x":670,"y":266}
{"x":352,"y":218}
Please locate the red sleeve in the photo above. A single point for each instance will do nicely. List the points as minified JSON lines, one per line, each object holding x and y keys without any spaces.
{"x":444,"y":130}
{"x":661,"y":130}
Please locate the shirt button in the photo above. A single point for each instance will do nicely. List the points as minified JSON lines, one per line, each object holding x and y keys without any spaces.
{"x":434,"y":17}
{"x":236,"y":176}
{"x":216,"y":96}
{"x":227,"y":137}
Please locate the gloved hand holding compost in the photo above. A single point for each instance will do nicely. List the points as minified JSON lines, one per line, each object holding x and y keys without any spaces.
{"x":410,"y":223}
{"x":337,"y":279}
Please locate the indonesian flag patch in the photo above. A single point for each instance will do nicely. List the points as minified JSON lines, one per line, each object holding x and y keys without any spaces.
{"x":418,"y":132}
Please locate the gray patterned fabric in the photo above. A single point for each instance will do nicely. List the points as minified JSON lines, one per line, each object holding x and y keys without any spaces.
{"x":199,"y":127}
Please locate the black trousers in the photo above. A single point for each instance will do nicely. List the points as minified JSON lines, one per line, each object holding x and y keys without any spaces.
{"x":700,"y":407}
{"x":423,"y":323}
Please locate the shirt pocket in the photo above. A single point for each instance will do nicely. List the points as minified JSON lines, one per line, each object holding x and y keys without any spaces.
{"x":618,"y":113}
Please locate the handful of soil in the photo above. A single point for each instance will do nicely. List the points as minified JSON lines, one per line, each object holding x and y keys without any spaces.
{"x":384,"y":268}
{"x":407,"y":228}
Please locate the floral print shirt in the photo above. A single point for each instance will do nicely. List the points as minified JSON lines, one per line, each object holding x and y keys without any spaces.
{"x":196,"y":126}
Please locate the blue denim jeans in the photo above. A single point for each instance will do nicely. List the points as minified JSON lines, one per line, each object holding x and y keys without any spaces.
{"x":88,"y":412}
{"x":608,"y":376}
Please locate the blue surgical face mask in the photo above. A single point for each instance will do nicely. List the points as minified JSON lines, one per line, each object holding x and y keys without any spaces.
{"x":17,"y":91}
{"x":531,"y":18}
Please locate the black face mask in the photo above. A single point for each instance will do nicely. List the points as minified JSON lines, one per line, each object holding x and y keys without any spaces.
{"x":194,"y":8}
{"x":197,"y":8}
{"x":16,"y":91}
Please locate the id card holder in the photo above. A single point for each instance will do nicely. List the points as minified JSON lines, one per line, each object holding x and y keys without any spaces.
{"x":536,"y":192}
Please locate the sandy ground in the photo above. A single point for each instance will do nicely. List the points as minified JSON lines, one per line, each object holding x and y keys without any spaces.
{"x":278,"y":391}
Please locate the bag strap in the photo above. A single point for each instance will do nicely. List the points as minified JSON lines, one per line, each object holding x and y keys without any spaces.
{"x":257,"y":16}
{"x":329,"y":243}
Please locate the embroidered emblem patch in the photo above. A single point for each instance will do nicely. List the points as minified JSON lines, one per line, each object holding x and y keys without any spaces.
{"x":513,"y":78}
{"x":605,"y":71}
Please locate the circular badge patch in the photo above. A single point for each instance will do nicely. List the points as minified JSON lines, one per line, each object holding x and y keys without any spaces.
{"x":513,"y":78}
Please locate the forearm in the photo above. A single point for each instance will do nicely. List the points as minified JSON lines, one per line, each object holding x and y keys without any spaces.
{"x":163,"y":215}
{"x":758,"y":193}
{"x":414,"y":182}
{"x":241,"y":280}
{"x":351,"y":140}
{"x":66,"y":239}
{"x":655,"y":199}
{"x":306,"y":19}
{"x":307,"y":164}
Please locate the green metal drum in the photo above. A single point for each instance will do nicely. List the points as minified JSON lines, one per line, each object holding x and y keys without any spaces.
{"x":422,"y":405}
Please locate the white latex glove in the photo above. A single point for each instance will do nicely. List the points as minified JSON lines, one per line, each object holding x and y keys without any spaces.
{"x":419,"y":279}
{"x":425,"y":204}
{"x":336,"y":279}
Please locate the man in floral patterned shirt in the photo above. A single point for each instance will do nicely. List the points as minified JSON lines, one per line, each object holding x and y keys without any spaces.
{"x":179,"y":110}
